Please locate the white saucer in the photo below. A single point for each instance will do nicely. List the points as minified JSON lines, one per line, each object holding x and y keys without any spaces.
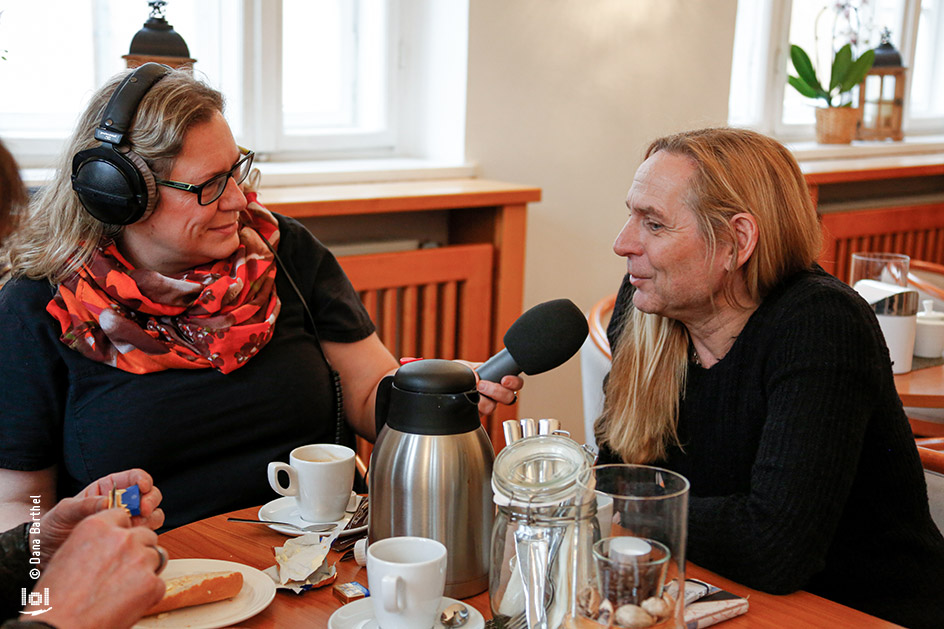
{"x":359,"y":614}
{"x":284,"y":509}
{"x":258,"y":591}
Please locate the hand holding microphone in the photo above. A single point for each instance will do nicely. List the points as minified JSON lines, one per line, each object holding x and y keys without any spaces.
{"x":543,"y":338}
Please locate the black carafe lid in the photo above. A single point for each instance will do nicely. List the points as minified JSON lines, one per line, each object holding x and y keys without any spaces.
{"x":430,"y":397}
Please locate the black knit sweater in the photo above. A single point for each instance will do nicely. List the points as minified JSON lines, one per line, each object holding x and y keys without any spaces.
{"x":803,"y":468}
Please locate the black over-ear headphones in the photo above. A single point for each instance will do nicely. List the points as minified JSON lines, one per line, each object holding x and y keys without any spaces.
{"x":114,"y":184}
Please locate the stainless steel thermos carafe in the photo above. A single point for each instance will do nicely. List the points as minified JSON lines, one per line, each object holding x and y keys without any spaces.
{"x":431,"y":468}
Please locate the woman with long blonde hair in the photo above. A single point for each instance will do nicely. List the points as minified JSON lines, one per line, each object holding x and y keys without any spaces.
{"x":739,"y":363}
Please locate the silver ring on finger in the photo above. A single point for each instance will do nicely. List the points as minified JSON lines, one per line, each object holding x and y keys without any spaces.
{"x":162,"y":559}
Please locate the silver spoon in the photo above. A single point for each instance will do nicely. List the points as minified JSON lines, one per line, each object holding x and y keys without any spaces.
{"x":455,"y":615}
{"x":312,"y":528}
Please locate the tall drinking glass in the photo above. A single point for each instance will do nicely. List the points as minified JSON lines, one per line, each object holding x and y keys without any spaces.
{"x":888,"y":268}
{"x":637,"y":570}
{"x":882,"y":280}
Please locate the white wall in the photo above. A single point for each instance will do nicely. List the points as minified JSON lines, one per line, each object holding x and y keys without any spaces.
{"x":566,"y":95}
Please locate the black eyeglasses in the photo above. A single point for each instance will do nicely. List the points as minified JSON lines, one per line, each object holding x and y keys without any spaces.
{"x":212,"y":189}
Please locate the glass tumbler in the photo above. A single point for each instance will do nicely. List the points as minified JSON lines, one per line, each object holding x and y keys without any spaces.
{"x":888,"y":268}
{"x":637,"y":570}
{"x":882,"y":280}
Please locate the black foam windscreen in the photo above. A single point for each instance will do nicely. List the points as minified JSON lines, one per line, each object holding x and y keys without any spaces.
{"x":546,"y":336}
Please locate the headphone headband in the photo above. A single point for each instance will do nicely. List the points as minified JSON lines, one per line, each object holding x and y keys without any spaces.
{"x":124,"y":101}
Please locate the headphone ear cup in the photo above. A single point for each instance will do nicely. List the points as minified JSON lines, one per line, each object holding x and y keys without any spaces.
{"x":146,"y":178}
{"x":111,"y":186}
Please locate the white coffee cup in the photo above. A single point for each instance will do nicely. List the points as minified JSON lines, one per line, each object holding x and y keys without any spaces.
{"x":406,"y":577}
{"x":320,"y":477}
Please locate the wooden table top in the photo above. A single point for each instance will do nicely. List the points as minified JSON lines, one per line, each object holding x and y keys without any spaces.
{"x":923,"y":388}
{"x":215,"y":538}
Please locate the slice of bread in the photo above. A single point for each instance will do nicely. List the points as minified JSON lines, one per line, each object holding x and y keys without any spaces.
{"x":196,"y":589}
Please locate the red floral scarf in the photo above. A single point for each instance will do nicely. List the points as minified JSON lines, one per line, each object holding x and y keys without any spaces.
{"x":216,"y":315}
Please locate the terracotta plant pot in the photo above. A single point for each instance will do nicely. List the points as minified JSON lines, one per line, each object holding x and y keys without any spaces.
{"x":836,"y":125}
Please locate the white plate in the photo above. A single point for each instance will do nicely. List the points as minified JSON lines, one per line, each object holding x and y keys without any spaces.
{"x":258,"y":591}
{"x":284,"y":509}
{"x":359,"y":614}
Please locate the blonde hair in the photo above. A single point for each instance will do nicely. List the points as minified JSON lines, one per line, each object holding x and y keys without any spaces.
{"x":57,"y":235}
{"x":736,"y":171}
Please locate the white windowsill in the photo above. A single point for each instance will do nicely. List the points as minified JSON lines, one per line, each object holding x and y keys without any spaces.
{"x":910,"y":145}
{"x":315,"y":172}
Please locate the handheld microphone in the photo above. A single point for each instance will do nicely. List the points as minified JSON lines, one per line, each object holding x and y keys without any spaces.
{"x":541,"y":339}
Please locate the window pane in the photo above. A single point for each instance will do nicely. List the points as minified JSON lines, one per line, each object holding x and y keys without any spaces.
{"x":56,"y":81}
{"x":748,"y":64}
{"x":317,"y":69}
{"x":333,"y":60}
{"x":926,"y":87}
{"x":820,"y":30}
{"x":330,"y":85}
{"x":798,"y":109}
{"x":65,"y":65}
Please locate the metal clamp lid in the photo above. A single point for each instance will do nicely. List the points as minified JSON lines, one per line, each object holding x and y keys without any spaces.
{"x":903,"y":304}
{"x":538,"y":471}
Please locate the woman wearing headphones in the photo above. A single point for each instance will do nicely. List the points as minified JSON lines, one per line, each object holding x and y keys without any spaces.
{"x":152,"y":321}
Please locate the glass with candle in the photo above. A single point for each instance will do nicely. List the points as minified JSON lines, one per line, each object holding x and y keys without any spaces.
{"x":635,"y":574}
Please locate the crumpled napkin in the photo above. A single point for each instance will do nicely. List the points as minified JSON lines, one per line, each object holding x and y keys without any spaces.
{"x":301,"y":563}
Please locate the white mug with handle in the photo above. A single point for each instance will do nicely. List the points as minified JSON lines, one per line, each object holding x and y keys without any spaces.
{"x":320,"y":477}
{"x":407,"y":577}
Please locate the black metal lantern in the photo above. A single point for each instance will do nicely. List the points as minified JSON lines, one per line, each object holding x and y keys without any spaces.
{"x":158,"y":41}
{"x":882,"y":95}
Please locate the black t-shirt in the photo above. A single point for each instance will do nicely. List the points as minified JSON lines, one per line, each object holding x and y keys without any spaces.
{"x":205,"y":437}
{"x":803,"y":468}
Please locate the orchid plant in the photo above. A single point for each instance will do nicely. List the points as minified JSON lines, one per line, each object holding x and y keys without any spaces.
{"x":845,"y":74}
{"x":847,"y":30}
